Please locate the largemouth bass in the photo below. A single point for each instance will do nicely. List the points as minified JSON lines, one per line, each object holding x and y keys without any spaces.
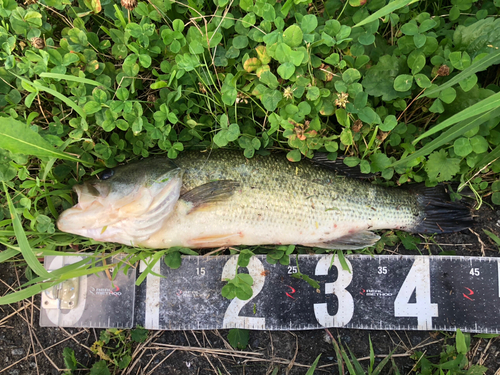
{"x":223,"y":199}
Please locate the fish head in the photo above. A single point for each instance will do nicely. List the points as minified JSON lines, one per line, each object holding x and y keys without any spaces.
{"x":125,"y":204}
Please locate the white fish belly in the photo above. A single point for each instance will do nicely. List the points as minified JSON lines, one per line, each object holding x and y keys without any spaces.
{"x":253,"y":217}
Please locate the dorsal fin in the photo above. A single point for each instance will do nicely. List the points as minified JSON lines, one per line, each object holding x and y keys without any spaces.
{"x":338,"y":166}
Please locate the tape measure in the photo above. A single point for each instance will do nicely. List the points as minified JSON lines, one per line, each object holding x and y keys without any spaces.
{"x":377,"y":292}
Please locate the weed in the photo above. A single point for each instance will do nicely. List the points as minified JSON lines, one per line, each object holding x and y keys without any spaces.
{"x":391,"y":87}
{"x":114,"y":348}
{"x":452,"y":360}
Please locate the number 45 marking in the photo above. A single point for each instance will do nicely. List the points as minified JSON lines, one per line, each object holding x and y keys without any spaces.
{"x":418,"y":280}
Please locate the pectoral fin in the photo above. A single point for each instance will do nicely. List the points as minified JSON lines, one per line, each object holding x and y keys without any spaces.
{"x":210,"y":193}
{"x":358,"y":240}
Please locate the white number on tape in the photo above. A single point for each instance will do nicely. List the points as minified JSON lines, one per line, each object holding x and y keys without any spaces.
{"x":231,"y":317}
{"x":345,"y":309}
{"x":418,"y":280}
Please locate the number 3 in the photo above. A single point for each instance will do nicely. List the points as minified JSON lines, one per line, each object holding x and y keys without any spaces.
{"x":345,"y":309}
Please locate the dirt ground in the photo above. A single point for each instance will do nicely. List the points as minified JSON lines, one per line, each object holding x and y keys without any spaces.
{"x":26,"y":348}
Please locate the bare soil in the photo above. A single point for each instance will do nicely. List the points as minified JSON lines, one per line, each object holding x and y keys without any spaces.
{"x":26,"y":348}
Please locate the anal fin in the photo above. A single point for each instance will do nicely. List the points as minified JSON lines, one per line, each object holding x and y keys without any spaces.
{"x":355,"y":241}
{"x":223,"y":239}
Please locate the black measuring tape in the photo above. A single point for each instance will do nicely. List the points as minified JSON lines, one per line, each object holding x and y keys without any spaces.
{"x":377,"y":292}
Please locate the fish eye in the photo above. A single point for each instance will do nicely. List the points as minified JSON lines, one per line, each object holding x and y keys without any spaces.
{"x":107,"y":174}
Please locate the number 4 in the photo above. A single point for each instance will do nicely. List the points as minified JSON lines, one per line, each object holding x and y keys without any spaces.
{"x":418,"y":280}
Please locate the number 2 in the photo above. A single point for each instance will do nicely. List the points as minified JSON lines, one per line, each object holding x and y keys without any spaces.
{"x":231,"y":318}
{"x":345,"y":309}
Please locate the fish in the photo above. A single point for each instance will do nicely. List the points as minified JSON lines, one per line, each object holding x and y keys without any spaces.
{"x":220,"y":199}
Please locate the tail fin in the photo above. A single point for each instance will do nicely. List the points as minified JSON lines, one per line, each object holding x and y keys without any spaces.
{"x":438,"y":213}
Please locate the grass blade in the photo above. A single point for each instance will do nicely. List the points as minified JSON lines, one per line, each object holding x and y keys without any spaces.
{"x":60,"y":273}
{"x":389,"y":8}
{"x":313,"y":366}
{"x":493,"y":236}
{"x":50,"y":163}
{"x":484,"y":105}
{"x":26,"y":293}
{"x":57,"y":94}
{"x":347,"y":362}
{"x":357,"y":365}
{"x":449,"y":135}
{"x":492,"y":59}
{"x":18,"y":138}
{"x":7,"y":254}
{"x":488,"y":158}
{"x":395,"y":367}
{"x":149,"y":269}
{"x":372,"y":355}
{"x":63,"y":98}
{"x":381,"y":365}
{"x":41,"y":252}
{"x":82,"y":272}
{"x":67,"y":274}
{"x":72,"y":78}
{"x":28,"y":254}
{"x":339,"y":356}
{"x":343,"y":261}
{"x":487,"y":335}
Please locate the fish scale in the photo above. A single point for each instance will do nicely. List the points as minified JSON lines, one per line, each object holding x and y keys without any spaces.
{"x":301,"y":203}
{"x":221,"y":198}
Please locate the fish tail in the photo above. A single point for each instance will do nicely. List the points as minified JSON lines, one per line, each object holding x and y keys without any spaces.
{"x":438,"y":214}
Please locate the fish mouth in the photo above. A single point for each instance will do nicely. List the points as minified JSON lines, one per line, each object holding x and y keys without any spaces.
{"x":104,"y":215}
